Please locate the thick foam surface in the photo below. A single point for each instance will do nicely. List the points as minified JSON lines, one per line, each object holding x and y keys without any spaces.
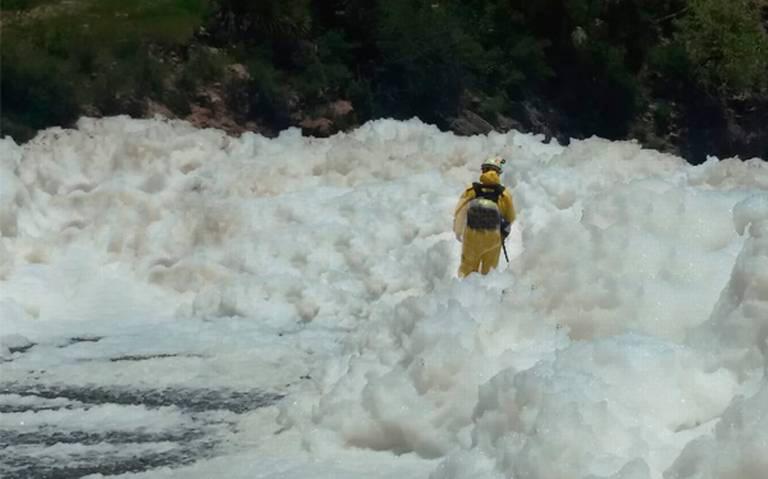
{"x":290,"y":308}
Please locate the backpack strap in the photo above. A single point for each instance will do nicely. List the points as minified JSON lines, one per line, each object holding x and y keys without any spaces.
{"x":489,"y":192}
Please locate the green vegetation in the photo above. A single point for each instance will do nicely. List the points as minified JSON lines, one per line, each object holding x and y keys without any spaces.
{"x":662,"y":71}
{"x":60,"y":60}
{"x":726,"y":44}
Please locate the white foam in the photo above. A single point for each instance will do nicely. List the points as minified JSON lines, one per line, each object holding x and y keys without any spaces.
{"x":616,"y":344}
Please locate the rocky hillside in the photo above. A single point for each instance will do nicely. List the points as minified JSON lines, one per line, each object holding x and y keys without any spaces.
{"x":684,"y":76}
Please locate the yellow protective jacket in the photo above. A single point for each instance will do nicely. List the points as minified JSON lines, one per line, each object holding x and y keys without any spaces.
{"x":480,"y":248}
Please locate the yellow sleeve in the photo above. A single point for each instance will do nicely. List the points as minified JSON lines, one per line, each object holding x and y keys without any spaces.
{"x":465,"y":198}
{"x":460,"y":213}
{"x":506,"y":206}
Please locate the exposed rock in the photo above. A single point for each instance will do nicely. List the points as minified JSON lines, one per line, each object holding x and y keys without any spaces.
{"x":341,"y":108}
{"x":239,"y":71}
{"x":321,"y":127}
{"x":211,"y":96}
{"x":154,"y":108}
{"x":538,"y":120}
{"x":470,"y":123}
{"x":225,"y":104}
{"x":327,"y":119}
{"x":200,"y":117}
{"x":203,"y":117}
{"x":505,"y":123}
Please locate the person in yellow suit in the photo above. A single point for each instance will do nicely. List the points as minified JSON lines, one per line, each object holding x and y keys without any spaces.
{"x":482,"y":219}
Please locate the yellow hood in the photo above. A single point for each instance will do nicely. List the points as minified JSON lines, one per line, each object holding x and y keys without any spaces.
{"x":490,"y":177}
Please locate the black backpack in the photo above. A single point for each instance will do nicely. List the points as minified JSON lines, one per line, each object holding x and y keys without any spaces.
{"x":483,"y":211}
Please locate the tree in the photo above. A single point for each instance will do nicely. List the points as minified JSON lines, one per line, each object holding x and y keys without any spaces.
{"x":727,"y":45}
